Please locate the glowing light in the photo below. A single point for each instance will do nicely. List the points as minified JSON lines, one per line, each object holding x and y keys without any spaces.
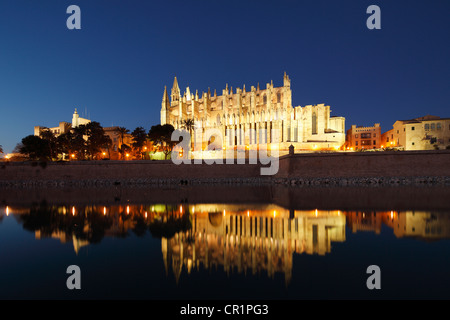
{"x":73,"y":211}
{"x":181,"y":209}
{"x":336,"y":148}
{"x":104,"y":153}
{"x":146,"y":214}
{"x":7,"y":156}
{"x":153,"y":208}
{"x":316,"y":212}
{"x":128,"y":209}
{"x":72,"y":155}
{"x":127,"y":155}
{"x":315,"y":147}
{"x":339,"y":212}
{"x":7,"y":211}
{"x":145,"y":148}
{"x":193,"y":209}
{"x":104,"y":211}
{"x":274,"y":213}
{"x":248,"y":213}
{"x":392,"y":214}
{"x":224,"y":212}
{"x":382,"y":146}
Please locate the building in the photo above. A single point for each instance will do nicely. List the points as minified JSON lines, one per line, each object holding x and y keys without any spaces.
{"x":117,"y":138}
{"x":359,"y":138}
{"x":63,"y":127}
{"x":247,"y":118}
{"x":424,"y":133}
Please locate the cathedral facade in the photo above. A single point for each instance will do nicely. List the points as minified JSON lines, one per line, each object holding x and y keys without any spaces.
{"x":258,"y":116}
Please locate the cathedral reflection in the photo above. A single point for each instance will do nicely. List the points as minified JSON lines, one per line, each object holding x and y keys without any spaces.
{"x":262,"y":239}
{"x":249,"y":239}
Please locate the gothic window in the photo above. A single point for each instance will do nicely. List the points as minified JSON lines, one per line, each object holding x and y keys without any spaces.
{"x":278,"y":97}
{"x":218,"y":120}
{"x":314,"y":123}
{"x":264,"y":99}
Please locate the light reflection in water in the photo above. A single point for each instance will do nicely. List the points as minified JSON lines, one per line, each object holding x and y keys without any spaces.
{"x":237,"y":238}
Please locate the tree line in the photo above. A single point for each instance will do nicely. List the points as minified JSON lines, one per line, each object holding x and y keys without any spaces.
{"x":90,"y":142}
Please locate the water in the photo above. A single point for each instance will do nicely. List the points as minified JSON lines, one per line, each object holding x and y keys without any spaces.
{"x":264,"y":244}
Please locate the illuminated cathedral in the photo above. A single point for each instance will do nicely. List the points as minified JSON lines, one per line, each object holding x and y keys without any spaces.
{"x":254,"y":117}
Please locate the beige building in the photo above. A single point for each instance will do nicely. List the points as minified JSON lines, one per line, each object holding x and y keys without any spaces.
{"x":424,"y":133}
{"x":247,"y":118}
{"x":63,"y":126}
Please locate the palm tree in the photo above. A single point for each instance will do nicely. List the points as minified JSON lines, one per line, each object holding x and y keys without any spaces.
{"x":122,"y":131}
{"x":189,"y":125}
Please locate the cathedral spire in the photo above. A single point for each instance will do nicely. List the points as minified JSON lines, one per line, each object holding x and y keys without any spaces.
{"x":165,"y":95}
{"x":175,"y":84}
{"x":175,"y":94}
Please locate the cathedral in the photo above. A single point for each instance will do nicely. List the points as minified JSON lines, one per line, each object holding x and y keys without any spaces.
{"x":258,"y":116}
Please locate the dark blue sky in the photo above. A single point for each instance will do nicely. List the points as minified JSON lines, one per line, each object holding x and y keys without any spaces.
{"x":117,"y":65}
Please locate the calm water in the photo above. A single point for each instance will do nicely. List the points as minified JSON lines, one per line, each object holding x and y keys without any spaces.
{"x":152,"y":250}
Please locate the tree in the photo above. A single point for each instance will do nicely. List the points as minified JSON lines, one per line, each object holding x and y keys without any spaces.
{"x":1,"y":149}
{"x":189,"y":125}
{"x":161,"y":136}
{"x":78,"y":142}
{"x":124,"y":149}
{"x":121,"y":131}
{"x":64,"y":143}
{"x":139,"y":138}
{"x":47,"y":135}
{"x":35,"y":148}
{"x":97,"y":139}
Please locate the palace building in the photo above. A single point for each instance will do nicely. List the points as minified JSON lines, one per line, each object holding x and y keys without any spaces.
{"x":422,"y":133}
{"x":254,"y":117}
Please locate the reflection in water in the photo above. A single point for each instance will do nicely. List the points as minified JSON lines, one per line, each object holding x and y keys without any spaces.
{"x":236,"y":238}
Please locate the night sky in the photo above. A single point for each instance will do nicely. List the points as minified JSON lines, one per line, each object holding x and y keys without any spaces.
{"x":115,"y":68}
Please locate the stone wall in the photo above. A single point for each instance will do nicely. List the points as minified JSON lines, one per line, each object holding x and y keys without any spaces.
{"x":368,"y":168}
